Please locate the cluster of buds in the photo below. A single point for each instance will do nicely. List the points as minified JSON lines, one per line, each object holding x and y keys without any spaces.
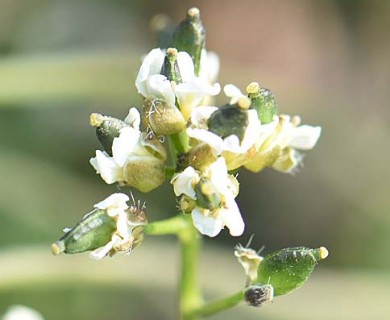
{"x":208,"y":145}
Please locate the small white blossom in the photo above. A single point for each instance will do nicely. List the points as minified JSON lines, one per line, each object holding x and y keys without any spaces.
{"x":123,"y":239}
{"x":19,"y":312}
{"x":211,"y":222}
{"x":134,"y":161}
{"x":151,"y":84}
{"x":278,"y":146}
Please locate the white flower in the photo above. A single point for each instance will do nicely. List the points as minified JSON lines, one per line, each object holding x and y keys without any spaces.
{"x":278,"y":146}
{"x":19,"y":312}
{"x":151,"y":84}
{"x":123,"y":239}
{"x":135,"y":161}
{"x":230,"y":147}
{"x":211,"y":221}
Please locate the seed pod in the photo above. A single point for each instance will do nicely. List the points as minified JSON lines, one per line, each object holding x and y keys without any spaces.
{"x":189,"y":36}
{"x":227,"y":120}
{"x":263,"y":101}
{"x":289,"y":268}
{"x":207,"y":196}
{"x":170,"y":68}
{"x":107,"y":128}
{"x":94,"y":231}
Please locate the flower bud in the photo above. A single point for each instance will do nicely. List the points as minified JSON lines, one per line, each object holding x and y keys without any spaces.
{"x":112,"y":227}
{"x":257,"y":295}
{"x":228,"y":120}
{"x":289,"y":268}
{"x":107,"y":128}
{"x":94,"y":231}
{"x":163,"y":118}
{"x":189,"y":36}
{"x":201,"y":155}
{"x":170,"y":67}
{"x":263,"y":101}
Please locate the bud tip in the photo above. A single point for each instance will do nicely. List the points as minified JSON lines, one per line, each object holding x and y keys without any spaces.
{"x":323,"y":253}
{"x":244,"y":103}
{"x":193,"y":12}
{"x":57,"y":248}
{"x":253,"y":88}
{"x":172,"y":52}
{"x":95,"y":119}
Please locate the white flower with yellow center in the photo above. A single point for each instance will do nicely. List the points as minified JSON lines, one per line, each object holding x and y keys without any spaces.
{"x":137,"y":160}
{"x":189,"y":93}
{"x":213,"y":191}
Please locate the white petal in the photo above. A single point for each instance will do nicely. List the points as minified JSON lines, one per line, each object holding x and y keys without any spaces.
{"x":186,"y":66}
{"x":266,"y":130}
{"x":233,"y":92}
{"x":116,"y":200}
{"x":122,"y":225}
{"x":200,"y":115}
{"x":190,"y":94}
{"x":231,"y":217}
{"x":133,"y":118}
{"x":209,"y":66}
{"x":151,"y":65}
{"x":218,"y":175}
{"x":105,"y":165}
{"x":251,"y":131}
{"x":207,"y":137}
{"x":125,"y":145}
{"x":207,"y":225}
{"x":304,"y":137}
{"x":158,"y":86}
{"x":183,"y":182}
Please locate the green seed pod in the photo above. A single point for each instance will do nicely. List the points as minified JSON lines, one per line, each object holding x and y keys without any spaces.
{"x":170,"y":68}
{"x":94,"y":231}
{"x":289,"y":268}
{"x":227,"y":120}
{"x":189,"y":36}
{"x":263,"y":101}
{"x":207,"y":196}
{"x":107,"y":128}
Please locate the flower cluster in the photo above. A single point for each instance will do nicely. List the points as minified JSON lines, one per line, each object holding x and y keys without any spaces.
{"x":207,"y":143}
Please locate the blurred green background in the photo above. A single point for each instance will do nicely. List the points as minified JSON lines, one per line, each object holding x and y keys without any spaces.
{"x":327,"y":61}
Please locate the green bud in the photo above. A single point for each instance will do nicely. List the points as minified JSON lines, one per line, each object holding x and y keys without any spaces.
{"x":107,"y":128}
{"x":189,"y":36}
{"x":227,"y":120}
{"x":94,"y":231}
{"x":257,"y":295}
{"x":263,"y":101}
{"x":289,"y":268}
{"x":170,"y":68}
{"x":207,"y":196}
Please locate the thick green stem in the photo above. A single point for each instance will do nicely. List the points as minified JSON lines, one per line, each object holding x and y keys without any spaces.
{"x":218,"y":306}
{"x":190,"y":294}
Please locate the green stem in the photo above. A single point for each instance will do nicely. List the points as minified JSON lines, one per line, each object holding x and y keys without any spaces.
{"x":190,"y":294}
{"x":174,"y":225}
{"x":219,"y":305}
{"x":180,"y":142}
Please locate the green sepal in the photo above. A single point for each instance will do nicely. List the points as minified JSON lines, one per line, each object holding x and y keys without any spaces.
{"x":289,"y":268}
{"x":264,"y":103}
{"x":227,"y":120}
{"x":207,"y":196}
{"x":94,"y":231}
{"x":107,"y":128}
{"x":170,"y":68}
{"x":189,"y":36}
